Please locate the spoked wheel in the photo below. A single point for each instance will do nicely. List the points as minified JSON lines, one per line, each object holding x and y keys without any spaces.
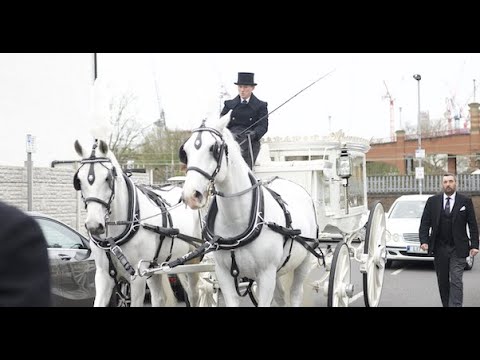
{"x":375,"y":250}
{"x":340,"y":289}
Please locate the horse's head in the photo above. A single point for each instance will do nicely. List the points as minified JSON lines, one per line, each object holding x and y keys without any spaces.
{"x":96,"y":180}
{"x":206,"y":154}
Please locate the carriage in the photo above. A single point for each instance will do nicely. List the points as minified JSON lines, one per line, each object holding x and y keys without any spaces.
{"x":333,"y":171}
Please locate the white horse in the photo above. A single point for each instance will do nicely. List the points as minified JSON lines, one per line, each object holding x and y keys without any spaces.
{"x":110,"y":196}
{"x":238,"y":214}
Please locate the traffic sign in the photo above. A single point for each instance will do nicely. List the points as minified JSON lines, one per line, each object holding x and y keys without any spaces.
{"x":419,"y":173}
{"x":420,"y":154}
{"x":30,"y":143}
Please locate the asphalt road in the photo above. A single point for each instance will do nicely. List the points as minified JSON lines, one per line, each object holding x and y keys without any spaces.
{"x":405,"y":284}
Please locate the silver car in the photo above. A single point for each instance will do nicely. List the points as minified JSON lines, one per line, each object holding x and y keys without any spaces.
{"x":72,"y":266}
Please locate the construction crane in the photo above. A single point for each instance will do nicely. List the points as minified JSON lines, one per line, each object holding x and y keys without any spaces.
{"x":161,"y":120}
{"x":392,"y":111}
{"x":223,"y":95}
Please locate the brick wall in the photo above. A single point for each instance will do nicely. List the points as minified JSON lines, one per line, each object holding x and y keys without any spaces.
{"x":53,"y":192}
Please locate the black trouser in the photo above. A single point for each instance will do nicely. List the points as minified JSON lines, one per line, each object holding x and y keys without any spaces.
{"x":449,"y":268}
{"x":245,"y":146}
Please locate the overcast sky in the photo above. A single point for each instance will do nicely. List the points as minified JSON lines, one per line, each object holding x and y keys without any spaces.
{"x":49,"y":95}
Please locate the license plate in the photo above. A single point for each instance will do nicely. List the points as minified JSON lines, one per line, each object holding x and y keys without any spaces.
{"x":415,"y":249}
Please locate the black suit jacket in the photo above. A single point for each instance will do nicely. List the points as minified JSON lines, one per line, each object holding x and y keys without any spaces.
{"x":24,"y":263}
{"x":240,"y":119}
{"x":460,"y":219}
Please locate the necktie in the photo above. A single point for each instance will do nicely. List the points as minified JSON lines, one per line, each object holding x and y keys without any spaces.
{"x":447,"y":206}
{"x":244,"y":102}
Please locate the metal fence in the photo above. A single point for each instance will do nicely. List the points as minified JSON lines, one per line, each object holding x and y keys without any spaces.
{"x":408,"y":184}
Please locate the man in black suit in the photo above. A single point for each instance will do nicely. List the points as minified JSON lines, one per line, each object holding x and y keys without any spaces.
{"x":24,"y":264}
{"x":447,"y":215}
{"x":244,"y":123}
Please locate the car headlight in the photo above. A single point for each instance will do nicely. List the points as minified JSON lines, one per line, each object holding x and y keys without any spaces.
{"x":397,"y":237}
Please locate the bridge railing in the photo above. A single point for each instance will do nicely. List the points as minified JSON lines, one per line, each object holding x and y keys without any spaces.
{"x":408,"y":184}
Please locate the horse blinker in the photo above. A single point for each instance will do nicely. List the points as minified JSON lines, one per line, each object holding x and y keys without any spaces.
{"x":182,"y":155}
{"x":76,"y":182}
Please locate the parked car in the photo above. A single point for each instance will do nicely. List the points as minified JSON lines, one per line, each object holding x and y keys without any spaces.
{"x":72,"y":266}
{"x":402,"y":223}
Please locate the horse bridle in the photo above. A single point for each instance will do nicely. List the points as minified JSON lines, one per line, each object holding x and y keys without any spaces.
{"x":112,"y":174}
{"x":218,"y":149}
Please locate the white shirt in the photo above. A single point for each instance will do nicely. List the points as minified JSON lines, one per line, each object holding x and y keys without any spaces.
{"x":452,"y":200}
{"x":248,"y":100}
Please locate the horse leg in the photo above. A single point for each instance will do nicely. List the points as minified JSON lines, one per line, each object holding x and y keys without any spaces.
{"x":138,"y":291}
{"x":266,"y":283}
{"x":299,"y":276}
{"x":103,"y":288}
{"x":160,"y":291}
{"x":193,"y":292}
{"x":168,"y":295}
{"x":227,"y":286}
{"x":279,"y":294}
{"x":189,"y":283}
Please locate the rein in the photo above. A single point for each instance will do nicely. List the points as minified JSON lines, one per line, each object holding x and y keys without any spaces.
{"x":132,"y":220}
{"x":218,"y":150}
{"x":278,"y":107}
{"x":221,"y":194}
{"x":255,"y":223}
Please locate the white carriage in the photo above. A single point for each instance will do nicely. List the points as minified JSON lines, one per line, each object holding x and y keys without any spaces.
{"x":333,"y":171}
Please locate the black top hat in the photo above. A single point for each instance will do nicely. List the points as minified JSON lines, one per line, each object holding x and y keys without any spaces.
{"x":245,"y":78}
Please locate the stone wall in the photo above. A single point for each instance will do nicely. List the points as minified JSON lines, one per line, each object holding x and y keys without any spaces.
{"x":53,"y":192}
{"x":54,"y":195}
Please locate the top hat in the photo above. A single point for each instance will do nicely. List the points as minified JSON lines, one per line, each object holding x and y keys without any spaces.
{"x":245,"y":78}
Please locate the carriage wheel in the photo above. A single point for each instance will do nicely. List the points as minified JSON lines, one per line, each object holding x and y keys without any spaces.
{"x":340,"y":288}
{"x":375,"y":248}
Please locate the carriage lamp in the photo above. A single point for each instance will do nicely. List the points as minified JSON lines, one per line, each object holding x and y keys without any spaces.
{"x":344,"y":163}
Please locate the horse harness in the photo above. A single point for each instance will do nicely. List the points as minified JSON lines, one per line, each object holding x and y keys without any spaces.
{"x":112,"y":244}
{"x":215,"y":242}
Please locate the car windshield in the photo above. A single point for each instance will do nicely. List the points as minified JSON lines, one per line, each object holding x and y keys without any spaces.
{"x":408,"y":209}
{"x":59,"y":236}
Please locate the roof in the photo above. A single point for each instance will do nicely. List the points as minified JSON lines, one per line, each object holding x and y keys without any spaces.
{"x":414,"y":197}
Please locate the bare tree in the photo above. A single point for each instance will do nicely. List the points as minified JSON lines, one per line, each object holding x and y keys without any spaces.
{"x":428,"y":127}
{"x":127,"y":132}
{"x":160,"y":152}
{"x":433,"y":163}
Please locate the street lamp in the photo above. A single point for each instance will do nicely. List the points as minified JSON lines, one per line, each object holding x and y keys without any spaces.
{"x":344,"y":170}
{"x":344,"y":163}
{"x":419,"y":130}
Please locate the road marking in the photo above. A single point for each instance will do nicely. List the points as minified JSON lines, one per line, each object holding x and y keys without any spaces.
{"x":356,"y":297}
{"x":396,"y":272}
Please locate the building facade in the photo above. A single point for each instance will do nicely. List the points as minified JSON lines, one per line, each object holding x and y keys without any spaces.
{"x":454,"y":143}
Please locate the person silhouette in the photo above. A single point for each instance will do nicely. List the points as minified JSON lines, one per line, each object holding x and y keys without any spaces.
{"x":248,"y":119}
{"x":24,"y":264}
